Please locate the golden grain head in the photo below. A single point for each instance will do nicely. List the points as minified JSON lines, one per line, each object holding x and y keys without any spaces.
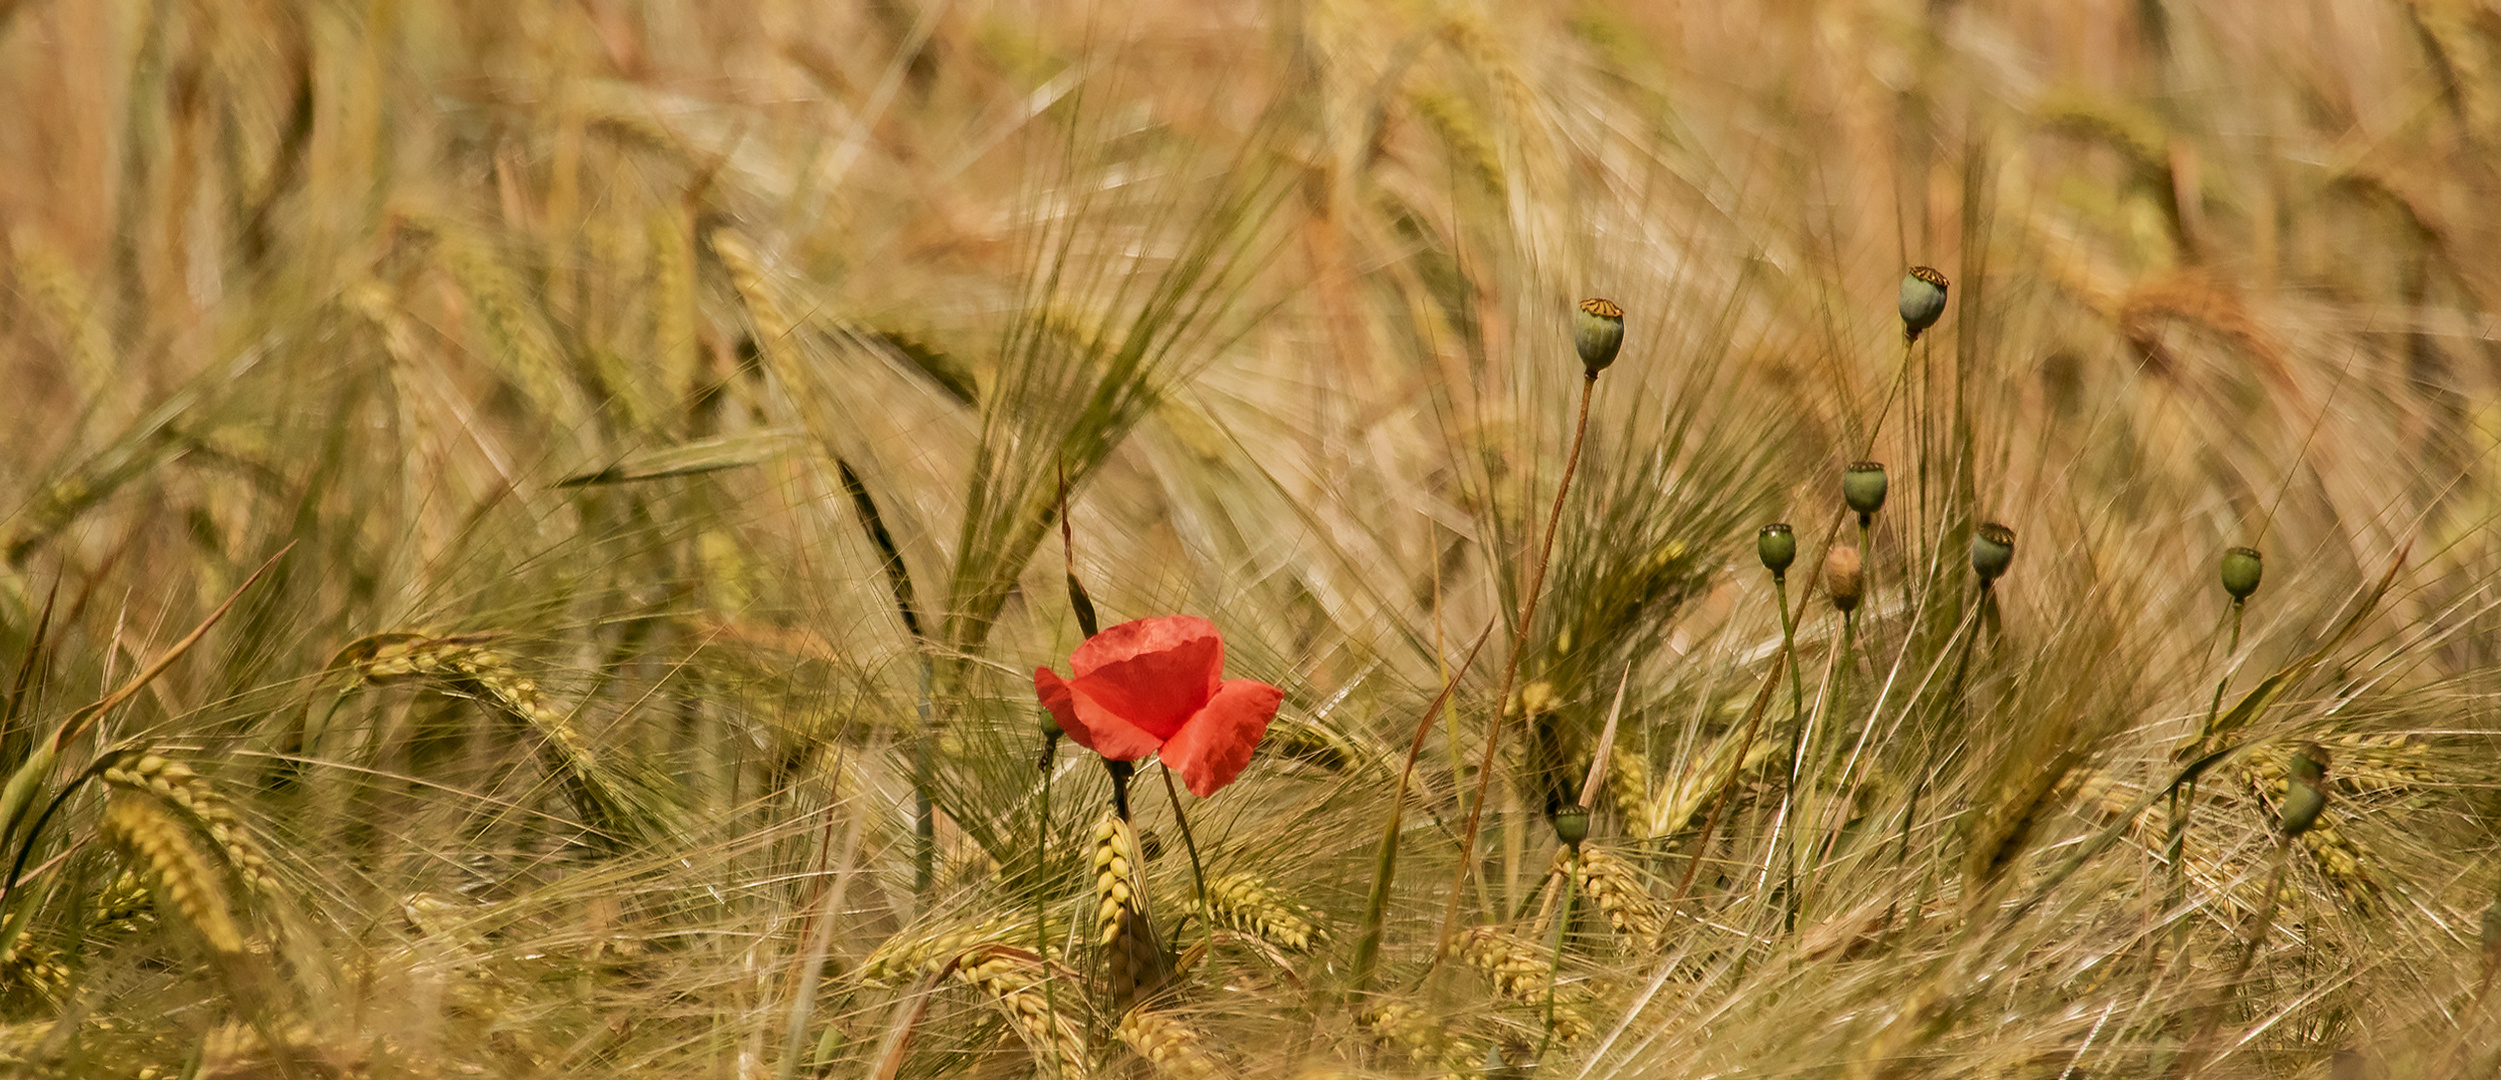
{"x":182,"y":877}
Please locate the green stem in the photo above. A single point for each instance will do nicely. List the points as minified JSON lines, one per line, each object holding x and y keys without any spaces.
{"x":1511,"y":670}
{"x":1198,"y":876}
{"x":1041,"y":894}
{"x":1385,"y":863}
{"x":1797,"y":747}
{"x":2183,"y":799}
{"x":1554,"y":967}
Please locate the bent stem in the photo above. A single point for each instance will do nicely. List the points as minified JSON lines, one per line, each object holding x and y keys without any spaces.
{"x":1719,"y":801}
{"x":1511,"y":671}
{"x":1198,"y":877}
{"x":1554,"y":966}
{"x":2194,"y":1059}
{"x":2184,"y":798}
{"x":1385,"y":864}
{"x":1042,"y":890}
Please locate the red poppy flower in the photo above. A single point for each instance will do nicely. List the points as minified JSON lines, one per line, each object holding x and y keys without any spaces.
{"x":1156,"y":686}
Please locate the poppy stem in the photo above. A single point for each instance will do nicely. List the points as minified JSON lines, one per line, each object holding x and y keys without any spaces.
{"x":1041,"y":889}
{"x":1198,"y":876}
{"x":1797,"y":749}
{"x":1120,"y":771}
{"x":1511,"y":670}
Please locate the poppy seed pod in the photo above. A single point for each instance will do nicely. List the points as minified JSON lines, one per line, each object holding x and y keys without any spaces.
{"x":1843,"y":577}
{"x":1571,"y":825}
{"x":1598,"y":333}
{"x":2305,"y":790}
{"x":1777,"y":546}
{"x":1923,"y":299}
{"x":1862,"y":487}
{"x":2243,"y":569}
{"x":1992,"y":551}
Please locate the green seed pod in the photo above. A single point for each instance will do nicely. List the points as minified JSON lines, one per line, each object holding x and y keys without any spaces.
{"x":1992,"y":551}
{"x":1862,"y":487}
{"x":2243,"y":569}
{"x":1923,"y":299}
{"x":1571,"y":825}
{"x":1599,"y":332}
{"x":1777,"y":546}
{"x":1844,"y":577}
{"x":2305,"y":790}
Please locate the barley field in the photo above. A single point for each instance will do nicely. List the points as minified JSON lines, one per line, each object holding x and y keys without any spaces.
{"x":530,"y":527}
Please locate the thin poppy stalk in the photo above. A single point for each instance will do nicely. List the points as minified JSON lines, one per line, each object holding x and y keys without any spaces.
{"x":1777,"y":545}
{"x":2305,"y":795}
{"x":1511,"y":669}
{"x":2241,"y":573}
{"x":1083,"y":606}
{"x":1385,"y":864}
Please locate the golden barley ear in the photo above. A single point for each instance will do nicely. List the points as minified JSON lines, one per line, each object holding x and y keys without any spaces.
{"x":181,"y":787}
{"x":467,"y":664}
{"x":1175,"y":1049}
{"x":923,"y":950}
{"x":1521,"y":972}
{"x":1421,"y":1038}
{"x":1621,"y":897}
{"x":1012,"y":978}
{"x":1246,"y":902}
{"x":181,"y":876}
{"x":2340,"y":860}
{"x":1136,"y":964}
{"x":33,"y":974}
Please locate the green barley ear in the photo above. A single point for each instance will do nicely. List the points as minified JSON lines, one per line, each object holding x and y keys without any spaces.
{"x":1598,"y":333}
{"x":1992,"y":551}
{"x":2243,"y":569}
{"x":2305,"y":790}
{"x":1923,"y":300}
{"x":1862,"y":488}
{"x":1844,"y":577}
{"x":1777,"y":546}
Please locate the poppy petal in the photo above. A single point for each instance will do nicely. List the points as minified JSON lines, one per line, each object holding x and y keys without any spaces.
{"x":1053,"y":691}
{"x":1088,"y":724}
{"x":1215,"y":745}
{"x":1154,"y":673}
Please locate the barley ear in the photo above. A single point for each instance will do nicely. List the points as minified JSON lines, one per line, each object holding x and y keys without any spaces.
{"x":1174,"y":1048}
{"x":182,"y":878}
